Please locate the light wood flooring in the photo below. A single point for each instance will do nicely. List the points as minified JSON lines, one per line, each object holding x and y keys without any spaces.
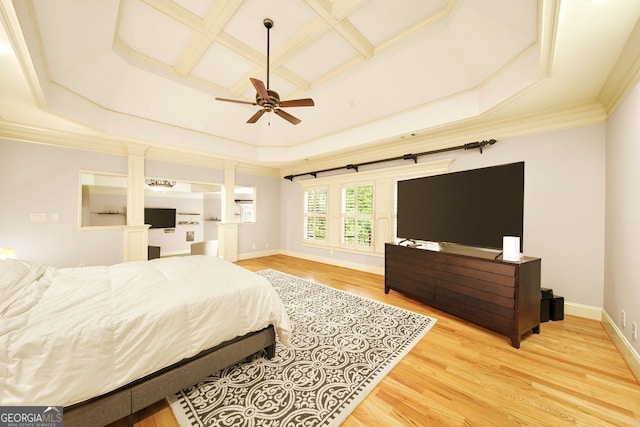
{"x":462,"y":375}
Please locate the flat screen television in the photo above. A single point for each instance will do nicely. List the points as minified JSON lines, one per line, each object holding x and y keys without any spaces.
{"x":160,"y":217}
{"x":475,"y":207}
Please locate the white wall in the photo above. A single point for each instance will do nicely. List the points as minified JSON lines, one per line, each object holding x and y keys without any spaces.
{"x":563,"y":207}
{"x":265,"y":234}
{"x":563,"y":212}
{"x":38,"y":178}
{"x":622,"y":245}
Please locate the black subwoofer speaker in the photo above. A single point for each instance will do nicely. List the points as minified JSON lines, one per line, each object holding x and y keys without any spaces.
{"x":545,"y":304}
{"x":557,"y":308}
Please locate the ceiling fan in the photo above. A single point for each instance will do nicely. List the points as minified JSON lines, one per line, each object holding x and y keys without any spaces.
{"x":268,"y":99}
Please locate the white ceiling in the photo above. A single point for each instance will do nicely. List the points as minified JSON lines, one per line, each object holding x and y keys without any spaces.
{"x":148,"y":70}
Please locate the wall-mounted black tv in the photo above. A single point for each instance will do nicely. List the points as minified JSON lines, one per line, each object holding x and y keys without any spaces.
{"x":160,"y":217}
{"x":475,"y":207}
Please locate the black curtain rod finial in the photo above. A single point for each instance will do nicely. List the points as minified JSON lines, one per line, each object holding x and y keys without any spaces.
{"x":480,"y":144}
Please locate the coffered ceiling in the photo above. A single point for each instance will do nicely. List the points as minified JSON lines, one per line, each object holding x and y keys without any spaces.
{"x":378,"y":70}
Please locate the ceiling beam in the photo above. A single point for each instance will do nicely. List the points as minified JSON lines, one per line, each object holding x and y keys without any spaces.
{"x":175,"y":11}
{"x":213,"y":23}
{"x":334,"y":15}
{"x":292,"y":47}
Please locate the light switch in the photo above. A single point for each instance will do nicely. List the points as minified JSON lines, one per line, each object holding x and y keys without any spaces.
{"x":55,"y":216}
{"x":38,"y":217}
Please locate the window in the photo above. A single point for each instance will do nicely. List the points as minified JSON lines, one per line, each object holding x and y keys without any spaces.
{"x":103,"y":199}
{"x":357,"y":216}
{"x":245,"y":204}
{"x":315,"y":215}
{"x":356,"y":212}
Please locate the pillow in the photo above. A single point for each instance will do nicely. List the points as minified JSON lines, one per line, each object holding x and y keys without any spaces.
{"x":15,"y":277}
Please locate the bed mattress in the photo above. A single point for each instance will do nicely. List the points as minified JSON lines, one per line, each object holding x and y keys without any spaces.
{"x":70,"y":334}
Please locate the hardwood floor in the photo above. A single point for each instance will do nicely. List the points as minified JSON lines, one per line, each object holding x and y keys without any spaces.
{"x":462,"y":375}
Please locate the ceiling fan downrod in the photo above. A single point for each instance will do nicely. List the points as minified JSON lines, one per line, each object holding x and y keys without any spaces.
{"x":268,"y":23}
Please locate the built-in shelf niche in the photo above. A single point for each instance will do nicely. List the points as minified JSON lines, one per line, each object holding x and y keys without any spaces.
{"x":188,"y":221}
{"x":103,"y":199}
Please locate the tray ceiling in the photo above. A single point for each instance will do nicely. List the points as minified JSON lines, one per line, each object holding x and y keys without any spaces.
{"x":376,"y":69}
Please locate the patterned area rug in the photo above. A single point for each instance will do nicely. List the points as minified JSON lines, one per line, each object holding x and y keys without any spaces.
{"x":342,"y":346}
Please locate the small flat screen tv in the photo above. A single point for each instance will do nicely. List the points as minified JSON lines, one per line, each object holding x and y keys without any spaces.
{"x":160,"y":217}
{"x":475,"y":207}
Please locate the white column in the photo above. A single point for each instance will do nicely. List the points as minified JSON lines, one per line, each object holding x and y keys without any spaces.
{"x":228,"y":241}
{"x":227,"y":228}
{"x":136,"y":239}
{"x":136,"y":234}
{"x":228,"y":189}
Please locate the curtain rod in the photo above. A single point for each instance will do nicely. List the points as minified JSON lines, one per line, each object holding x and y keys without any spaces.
{"x":414,"y":157}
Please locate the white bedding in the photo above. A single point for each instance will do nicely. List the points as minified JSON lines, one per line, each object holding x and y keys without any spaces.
{"x":70,"y":334}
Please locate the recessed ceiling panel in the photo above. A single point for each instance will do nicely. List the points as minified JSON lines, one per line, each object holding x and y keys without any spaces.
{"x":152,"y":33}
{"x":221,"y":66}
{"x":289,"y":18}
{"x":381,"y":20}
{"x":197,"y":7}
{"x":326,"y":54}
{"x":73,"y":32}
{"x":505,"y":32}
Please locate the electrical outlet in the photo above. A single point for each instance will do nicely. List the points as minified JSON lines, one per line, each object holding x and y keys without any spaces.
{"x":634,"y":330}
{"x":623,"y":318}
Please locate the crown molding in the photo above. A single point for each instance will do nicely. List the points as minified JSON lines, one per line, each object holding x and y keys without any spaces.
{"x":63,"y":138}
{"x":123,"y":147}
{"x":434,"y":139}
{"x":624,"y":75}
{"x":11,"y":24}
{"x":459,"y":133}
{"x":549,"y":16}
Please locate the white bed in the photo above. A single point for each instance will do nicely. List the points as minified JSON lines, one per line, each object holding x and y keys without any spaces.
{"x":68,"y":335}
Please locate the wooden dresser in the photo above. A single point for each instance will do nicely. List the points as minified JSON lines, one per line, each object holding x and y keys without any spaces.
{"x":469,"y":283}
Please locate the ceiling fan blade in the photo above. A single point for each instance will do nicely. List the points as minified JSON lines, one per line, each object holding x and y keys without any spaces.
{"x":256,"y":116}
{"x":288,"y":117}
{"x":237,"y":101}
{"x":306,"y":102}
{"x":260,"y":88}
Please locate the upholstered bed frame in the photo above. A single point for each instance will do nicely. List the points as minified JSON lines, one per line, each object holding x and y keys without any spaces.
{"x":127,"y":400}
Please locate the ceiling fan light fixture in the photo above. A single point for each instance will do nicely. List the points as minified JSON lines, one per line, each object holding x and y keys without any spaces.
{"x":159,"y":184}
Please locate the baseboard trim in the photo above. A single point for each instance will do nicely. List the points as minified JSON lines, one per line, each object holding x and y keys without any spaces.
{"x":333,"y":261}
{"x":585,"y":311}
{"x":627,"y":352}
{"x":249,"y":255}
